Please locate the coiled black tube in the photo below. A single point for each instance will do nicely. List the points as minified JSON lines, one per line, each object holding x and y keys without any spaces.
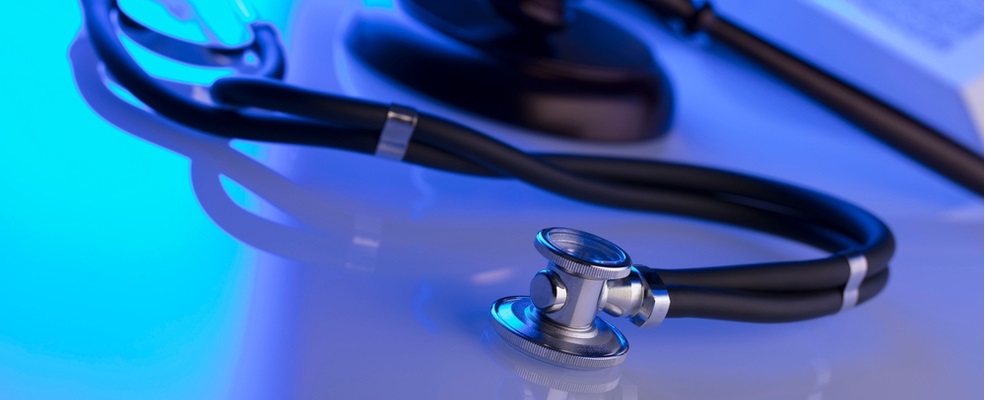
{"x":764,"y":292}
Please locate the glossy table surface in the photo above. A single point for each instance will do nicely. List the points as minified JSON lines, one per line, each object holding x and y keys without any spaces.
{"x":143,"y":260}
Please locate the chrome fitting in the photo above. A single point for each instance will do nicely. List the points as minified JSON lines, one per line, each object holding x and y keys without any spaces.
{"x":559,"y":322}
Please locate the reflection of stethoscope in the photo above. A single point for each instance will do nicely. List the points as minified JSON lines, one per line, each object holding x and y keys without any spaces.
{"x":585,"y":273}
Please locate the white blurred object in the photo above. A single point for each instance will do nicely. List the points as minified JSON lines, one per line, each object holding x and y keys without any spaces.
{"x":923,"y":57}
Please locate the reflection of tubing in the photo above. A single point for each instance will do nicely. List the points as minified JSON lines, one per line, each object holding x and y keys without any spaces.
{"x":212,"y":157}
{"x":336,"y":122}
{"x":325,"y":235}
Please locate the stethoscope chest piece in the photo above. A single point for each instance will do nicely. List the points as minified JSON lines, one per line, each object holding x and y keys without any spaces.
{"x":522,"y":325}
{"x":558,"y":323}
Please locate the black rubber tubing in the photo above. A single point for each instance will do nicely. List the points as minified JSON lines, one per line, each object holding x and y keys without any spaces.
{"x":357,"y":129}
{"x":645,"y":185}
{"x":737,"y":305}
{"x":217,"y":121}
{"x":907,"y":135}
{"x":882,"y":121}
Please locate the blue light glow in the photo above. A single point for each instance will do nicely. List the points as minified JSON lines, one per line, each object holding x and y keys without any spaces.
{"x":123,"y":93}
{"x":378,"y":3}
{"x":195,"y":20}
{"x":165,"y":68}
{"x":115,"y":282}
{"x":246,"y":10}
{"x":176,"y":18}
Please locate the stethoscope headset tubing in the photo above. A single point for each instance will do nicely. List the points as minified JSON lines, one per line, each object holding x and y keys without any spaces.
{"x":769,"y":292}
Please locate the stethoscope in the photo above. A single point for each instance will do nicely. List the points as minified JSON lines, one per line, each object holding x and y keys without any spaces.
{"x":584,"y":274}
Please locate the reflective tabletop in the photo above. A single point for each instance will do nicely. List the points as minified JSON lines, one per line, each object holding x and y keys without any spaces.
{"x":142,"y":259}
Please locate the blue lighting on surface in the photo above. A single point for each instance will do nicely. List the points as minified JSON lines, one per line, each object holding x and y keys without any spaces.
{"x":198,"y":21}
{"x":162,"y":67}
{"x":115,"y":284}
{"x":378,"y":3}
{"x":240,"y":195}
{"x":119,"y":279}
{"x":123,"y":93}
{"x":176,"y":18}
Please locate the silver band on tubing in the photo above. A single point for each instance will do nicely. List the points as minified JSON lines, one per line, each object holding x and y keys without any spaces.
{"x":858,"y":266}
{"x":396,"y":133}
{"x":656,"y":305}
{"x":661,"y":305}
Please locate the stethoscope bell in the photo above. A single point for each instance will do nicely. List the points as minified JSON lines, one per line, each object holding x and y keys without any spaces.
{"x":558,"y":323}
{"x":523,"y":326}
